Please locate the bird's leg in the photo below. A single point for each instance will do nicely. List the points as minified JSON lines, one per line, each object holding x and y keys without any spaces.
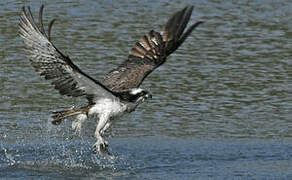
{"x":101,"y":144}
{"x":77,"y":123}
{"x":107,"y":125}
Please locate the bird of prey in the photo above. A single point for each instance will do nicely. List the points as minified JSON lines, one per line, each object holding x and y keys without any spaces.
{"x":119,"y":91}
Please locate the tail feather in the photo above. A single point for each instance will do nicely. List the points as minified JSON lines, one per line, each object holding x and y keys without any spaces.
{"x":59,"y":116}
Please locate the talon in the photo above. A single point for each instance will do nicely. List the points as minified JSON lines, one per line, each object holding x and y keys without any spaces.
{"x":96,"y":148}
{"x":100,"y":146}
{"x":105,"y":143}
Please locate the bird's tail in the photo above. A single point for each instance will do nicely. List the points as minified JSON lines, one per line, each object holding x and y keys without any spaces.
{"x":156,"y":46}
{"x":59,"y":116}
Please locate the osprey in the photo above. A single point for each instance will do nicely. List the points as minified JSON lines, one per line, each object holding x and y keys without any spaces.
{"x":118,"y":92}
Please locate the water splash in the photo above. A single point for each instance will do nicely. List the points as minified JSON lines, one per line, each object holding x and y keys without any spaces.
{"x":54,"y":157}
{"x":58,"y":148}
{"x":9,"y":157}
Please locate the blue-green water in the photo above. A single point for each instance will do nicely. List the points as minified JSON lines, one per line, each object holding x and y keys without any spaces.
{"x":152,"y":158}
{"x":221,"y":107}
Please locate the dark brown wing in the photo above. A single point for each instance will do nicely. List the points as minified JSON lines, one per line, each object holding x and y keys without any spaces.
{"x":150,"y":52}
{"x":53,"y":65}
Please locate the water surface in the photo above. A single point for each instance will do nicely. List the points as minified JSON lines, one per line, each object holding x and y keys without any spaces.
{"x":221,"y":107}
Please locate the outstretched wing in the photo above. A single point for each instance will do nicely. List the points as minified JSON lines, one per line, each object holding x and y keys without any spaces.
{"x":53,"y":65}
{"x":150,"y":52}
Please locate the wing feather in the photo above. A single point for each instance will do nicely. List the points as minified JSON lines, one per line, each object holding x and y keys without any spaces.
{"x":49,"y":62}
{"x":150,"y":52}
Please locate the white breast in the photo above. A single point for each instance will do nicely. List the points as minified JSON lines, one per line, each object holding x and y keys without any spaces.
{"x":111,"y":107}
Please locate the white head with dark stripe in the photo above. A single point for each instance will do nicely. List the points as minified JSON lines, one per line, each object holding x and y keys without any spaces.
{"x":135,"y":95}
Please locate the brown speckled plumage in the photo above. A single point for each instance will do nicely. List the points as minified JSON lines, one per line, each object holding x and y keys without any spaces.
{"x":150,"y":52}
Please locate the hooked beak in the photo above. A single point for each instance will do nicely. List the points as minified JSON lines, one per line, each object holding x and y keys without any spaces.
{"x":145,"y":97}
{"x":148,"y":96}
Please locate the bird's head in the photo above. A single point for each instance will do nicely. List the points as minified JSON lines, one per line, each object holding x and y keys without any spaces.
{"x":136,"y":95}
{"x":139,"y":95}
